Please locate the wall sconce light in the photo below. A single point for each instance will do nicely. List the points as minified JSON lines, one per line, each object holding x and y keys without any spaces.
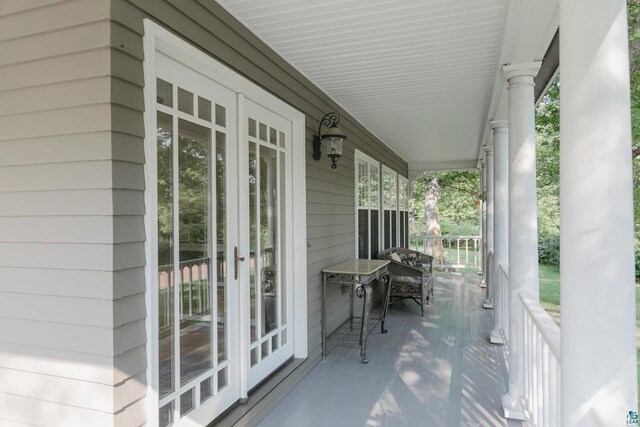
{"x":332,"y":139}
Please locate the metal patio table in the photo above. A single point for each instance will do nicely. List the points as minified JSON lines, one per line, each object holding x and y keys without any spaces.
{"x":359,"y":273}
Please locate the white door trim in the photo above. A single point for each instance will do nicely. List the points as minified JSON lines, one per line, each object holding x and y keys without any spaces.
{"x":158,"y":39}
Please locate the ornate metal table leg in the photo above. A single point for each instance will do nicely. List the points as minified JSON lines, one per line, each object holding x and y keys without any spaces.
{"x":366,"y":309}
{"x":386,"y":277}
{"x":324,"y":316}
{"x":351,"y":291}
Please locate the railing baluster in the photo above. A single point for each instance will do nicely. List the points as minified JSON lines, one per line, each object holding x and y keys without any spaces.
{"x":467,"y":259}
{"x":466,"y":252}
{"x":190,"y":283}
{"x":541,"y":362}
{"x":545,"y":383}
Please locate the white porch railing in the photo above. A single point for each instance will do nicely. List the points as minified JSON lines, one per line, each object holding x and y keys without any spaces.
{"x":540,"y":356}
{"x":541,"y":339}
{"x":501,"y":285}
{"x":457,"y":251}
{"x":194,"y":290}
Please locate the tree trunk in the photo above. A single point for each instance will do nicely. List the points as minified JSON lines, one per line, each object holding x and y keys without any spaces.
{"x":432,"y":221}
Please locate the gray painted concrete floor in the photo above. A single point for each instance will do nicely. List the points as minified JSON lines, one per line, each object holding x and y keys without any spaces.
{"x":437,"y":370}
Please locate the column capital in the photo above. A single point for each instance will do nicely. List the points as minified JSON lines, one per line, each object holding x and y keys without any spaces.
{"x":499,"y":126}
{"x":488,"y":149}
{"x":526,"y":71}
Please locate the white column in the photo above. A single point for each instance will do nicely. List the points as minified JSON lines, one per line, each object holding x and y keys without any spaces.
{"x":500,"y":221}
{"x":596,"y":217}
{"x":488,"y":273}
{"x":481,"y":248}
{"x":523,"y":220}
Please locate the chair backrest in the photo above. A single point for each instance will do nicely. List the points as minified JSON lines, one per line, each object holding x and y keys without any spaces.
{"x":425,"y":260}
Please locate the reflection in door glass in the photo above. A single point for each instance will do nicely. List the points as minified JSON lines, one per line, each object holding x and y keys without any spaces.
{"x":194,"y":189}
{"x":269,"y":238}
{"x":283,"y":239}
{"x":253,"y":233}
{"x":221,"y":234}
{"x":165,"y":252}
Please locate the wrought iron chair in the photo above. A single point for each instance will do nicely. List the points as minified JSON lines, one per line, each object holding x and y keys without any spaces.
{"x":411,"y":275}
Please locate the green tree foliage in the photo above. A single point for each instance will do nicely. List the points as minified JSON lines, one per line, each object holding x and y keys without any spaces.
{"x":548,"y":168}
{"x":457,"y":192}
{"x":548,"y":145}
{"x":633,"y":10}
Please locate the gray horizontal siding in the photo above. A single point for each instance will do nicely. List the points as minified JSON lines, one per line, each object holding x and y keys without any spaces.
{"x":72,"y":310}
{"x":330,"y":193}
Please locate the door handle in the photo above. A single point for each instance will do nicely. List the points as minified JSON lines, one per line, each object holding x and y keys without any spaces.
{"x":236,"y":258}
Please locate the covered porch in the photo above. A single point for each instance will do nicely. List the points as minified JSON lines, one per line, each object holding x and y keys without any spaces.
{"x":419,"y":86}
{"x":436,"y":370}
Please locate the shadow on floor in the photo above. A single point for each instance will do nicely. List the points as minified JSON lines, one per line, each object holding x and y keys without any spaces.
{"x":436,"y":370}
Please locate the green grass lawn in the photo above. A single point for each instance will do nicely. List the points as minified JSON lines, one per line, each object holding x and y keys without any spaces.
{"x":550,"y":299}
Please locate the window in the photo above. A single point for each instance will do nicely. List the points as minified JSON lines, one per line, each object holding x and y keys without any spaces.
{"x":382,"y":219}
{"x":403,"y":211}
{"x":389,"y":207}
{"x":367,"y":206}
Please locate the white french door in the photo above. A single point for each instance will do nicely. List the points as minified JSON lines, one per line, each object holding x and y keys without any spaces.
{"x":265,"y":206}
{"x":196,"y":216}
{"x":219,"y":179}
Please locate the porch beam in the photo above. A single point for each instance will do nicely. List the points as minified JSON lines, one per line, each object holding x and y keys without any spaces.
{"x":596,"y":217}
{"x":488,"y":273}
{"x":523,"y":221}
{"x":500,"y":129}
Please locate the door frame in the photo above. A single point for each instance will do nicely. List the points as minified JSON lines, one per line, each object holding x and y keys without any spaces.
{"x":158,"y":39}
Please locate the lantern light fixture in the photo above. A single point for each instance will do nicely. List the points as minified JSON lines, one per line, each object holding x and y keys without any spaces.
{"x":332,"y":139}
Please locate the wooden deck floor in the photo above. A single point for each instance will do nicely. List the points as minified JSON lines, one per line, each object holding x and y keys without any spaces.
{"x":437,"y":370}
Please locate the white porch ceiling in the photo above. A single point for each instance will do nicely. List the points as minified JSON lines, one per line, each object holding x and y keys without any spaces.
{"x":419,"y":74}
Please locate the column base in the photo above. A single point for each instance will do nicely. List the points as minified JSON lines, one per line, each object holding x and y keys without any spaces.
{"x":487,"y":303}
{"x":512,"y":410}
{"x":496,"y":337}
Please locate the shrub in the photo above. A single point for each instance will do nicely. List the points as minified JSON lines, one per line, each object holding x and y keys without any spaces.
{"x":458,"y":229}
{"x":549,"y":250}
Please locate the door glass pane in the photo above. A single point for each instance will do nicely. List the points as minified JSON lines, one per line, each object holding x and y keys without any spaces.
{"x":221,"y":243}
{"x":222,"y":379}
{"x":204,"y":109}
{"x":185,"y":101}
{"x":205,"y":389}
{"x":269,"y":238}
{"x":165,"y":415}
{"x":253,"y":234}
{"x":194,"y":181}
{"x":273,"y":136}
{"x":221,"y":116}
{"x":283,"y":239}
{"x":186,"y":402}
{"x":164,"y":93}
{"x":165,"y":252}
{"x":262,"y":132}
